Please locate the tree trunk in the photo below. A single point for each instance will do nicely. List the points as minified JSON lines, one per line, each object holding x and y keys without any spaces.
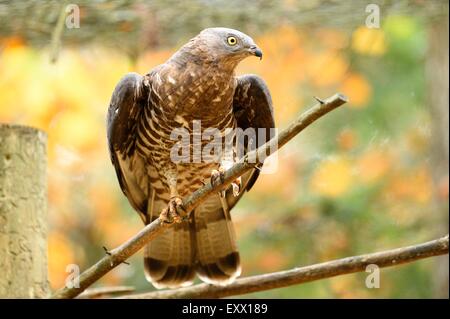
{"x":23,"y":212}
{"x":437,"y":71}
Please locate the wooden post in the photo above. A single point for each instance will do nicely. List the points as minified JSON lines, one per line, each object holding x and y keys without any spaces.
{"x":23,"y":212}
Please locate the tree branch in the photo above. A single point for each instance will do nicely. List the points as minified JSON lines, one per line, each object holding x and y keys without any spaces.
{"x":57,"y":34}
{"x":101,"y":292}
{"x":149,"y":232}
{"x":301,"y":275}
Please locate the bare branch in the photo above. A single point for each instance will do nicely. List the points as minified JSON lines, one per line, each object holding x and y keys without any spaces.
{"x":301,"y":275}
{"x":57,"y":34}
{"x":149,"y":232}
{"x":105,"y":292}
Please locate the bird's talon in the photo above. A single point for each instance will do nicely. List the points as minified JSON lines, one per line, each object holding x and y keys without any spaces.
{"x":236,"y":189}
{"x":175,"y":212}
{"x":164,"y":217}
{"x":236,"y":185}
{"x":217,"y":176}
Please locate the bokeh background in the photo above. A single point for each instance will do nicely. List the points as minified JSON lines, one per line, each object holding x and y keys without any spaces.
{"x":370,"y":176}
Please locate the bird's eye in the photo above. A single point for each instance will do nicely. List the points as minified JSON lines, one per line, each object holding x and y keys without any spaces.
{"x":231,"y":40}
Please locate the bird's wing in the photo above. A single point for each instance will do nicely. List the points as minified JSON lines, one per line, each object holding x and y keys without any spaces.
{"x":127,"y":104}
{"x":252,"y":107}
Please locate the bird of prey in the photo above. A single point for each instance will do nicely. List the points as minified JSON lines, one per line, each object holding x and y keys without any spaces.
{"x":198,"y":83}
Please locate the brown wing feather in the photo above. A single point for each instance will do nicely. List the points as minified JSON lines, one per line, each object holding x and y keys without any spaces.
{"x":125,"y":108}
{"x":252,"y":107}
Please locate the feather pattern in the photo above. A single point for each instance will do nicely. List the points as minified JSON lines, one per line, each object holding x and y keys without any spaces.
{"x":196,"y":84}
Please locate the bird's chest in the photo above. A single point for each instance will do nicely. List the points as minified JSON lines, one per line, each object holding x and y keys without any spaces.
{"x":182,"y":109}
{"x":195,"y":95}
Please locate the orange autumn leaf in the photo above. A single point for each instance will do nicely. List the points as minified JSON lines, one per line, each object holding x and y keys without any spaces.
{"x":347,"y":139}
{"x":357,"y":89}
{"x":282,"y":185}
{"x":272,"y":260}
{"x":415,"y":185}
{"x":332,"y":38}
{"x":373,"y":165}
{"x":12,"y":42}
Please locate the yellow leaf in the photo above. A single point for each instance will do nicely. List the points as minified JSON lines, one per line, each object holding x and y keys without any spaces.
{"x":332,"y":178}
{"x":369,"y":41}
{"x":78,"y":130}
{"x":327,"y":68}
{"x":60,"y":255}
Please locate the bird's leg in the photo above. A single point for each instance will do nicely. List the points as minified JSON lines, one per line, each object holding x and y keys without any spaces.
{"x":174,"y":212}
{"x":218,"y":178}
{"x":227,"y":160}
{"x":236,"y":185}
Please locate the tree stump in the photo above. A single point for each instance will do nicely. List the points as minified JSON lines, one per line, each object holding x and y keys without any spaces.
{"x":23,"y":212}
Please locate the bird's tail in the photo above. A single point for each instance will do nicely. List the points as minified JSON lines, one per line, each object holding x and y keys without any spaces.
{"x":205,"y":245}
{"x":169,"y":258}
{"x":216,"y":253}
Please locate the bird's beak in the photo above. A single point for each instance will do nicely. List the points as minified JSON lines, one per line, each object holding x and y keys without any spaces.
{"x":256,"y":51}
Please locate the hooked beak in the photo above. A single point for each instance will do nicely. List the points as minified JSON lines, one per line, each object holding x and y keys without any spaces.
{"x":256,"y":51}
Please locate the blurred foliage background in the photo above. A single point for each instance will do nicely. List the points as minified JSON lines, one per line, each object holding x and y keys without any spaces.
{"x":370,"y":176}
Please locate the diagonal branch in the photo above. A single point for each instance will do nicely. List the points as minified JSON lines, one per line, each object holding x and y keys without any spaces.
{"x":301,"y":275}
{"x":149,"y":232}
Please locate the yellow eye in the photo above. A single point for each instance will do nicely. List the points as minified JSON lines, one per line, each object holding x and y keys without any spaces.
{"x":231,"y":40}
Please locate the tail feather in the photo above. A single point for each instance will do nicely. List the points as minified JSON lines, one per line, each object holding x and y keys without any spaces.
{"x":206,"y":245}
{"x":217,"y":257}
{"x":168,"y":259}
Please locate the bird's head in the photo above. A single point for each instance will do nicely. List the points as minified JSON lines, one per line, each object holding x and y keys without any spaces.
{"x":227,"y":45}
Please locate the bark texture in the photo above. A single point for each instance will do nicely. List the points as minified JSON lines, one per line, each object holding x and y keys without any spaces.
{"x":388,"y":258}
{"x":23,"y":212}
